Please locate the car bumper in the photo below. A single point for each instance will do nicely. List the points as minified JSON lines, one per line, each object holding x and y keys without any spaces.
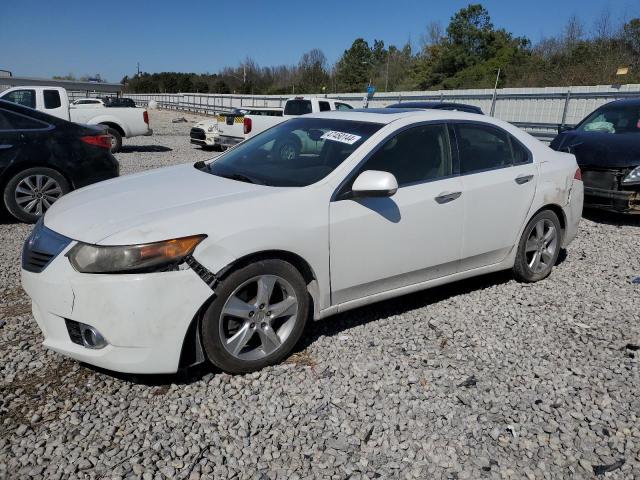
{"x":143,"y":317}
{"x":617,"y":200}
{"x":226,"y":141}
{"x":202,"y":143}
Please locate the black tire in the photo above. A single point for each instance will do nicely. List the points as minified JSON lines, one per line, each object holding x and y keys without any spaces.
{"x":10,"y":196}
{"x":521,"y":268}
{"x":288,"y":148}
{"x":212,"y":340}
{"x":116,"y":139}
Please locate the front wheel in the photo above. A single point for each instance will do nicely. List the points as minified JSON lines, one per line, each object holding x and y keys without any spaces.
{"x":258,"y":316}
{"x":539,"y":247}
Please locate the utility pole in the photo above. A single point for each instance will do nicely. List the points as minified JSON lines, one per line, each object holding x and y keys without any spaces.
{"x":386,"y":77}
{"x":495,"y":94}
{"x":244,"y":73}
{"x":138,"y":68}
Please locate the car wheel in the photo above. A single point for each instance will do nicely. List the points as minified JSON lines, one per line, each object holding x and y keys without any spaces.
{"x":539,"y":247}
{"x":257,"y":317}
{"x":116,"y":139}
{"x":288,"y":149}
{"x":31,"y":192}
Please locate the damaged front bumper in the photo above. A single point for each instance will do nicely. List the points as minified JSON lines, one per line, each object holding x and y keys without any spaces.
{"x":603,"y":189}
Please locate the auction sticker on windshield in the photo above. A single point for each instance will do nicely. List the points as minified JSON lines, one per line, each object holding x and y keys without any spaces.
{"x":341,"y":137}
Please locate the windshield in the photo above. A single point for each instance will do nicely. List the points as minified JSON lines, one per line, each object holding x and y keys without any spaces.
{"x":618,"y":119}
{"x":295,"y":153}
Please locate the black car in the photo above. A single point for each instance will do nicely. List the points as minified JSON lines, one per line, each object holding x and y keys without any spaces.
{"x":607,"y":147}
{"x":118,"y":102}
{"x":460,"y":107}
{"x":43,"y":157}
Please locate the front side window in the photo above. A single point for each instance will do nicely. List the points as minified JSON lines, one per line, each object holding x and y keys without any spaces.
{"x":298,"y":107}
{"x":482,"y":147}
{"x":295,"y":153}
{"x":415,"y":155}
{"x":613,"y":119}
{"x":52,"y":99}
{"x":26,"y":98}
{"x":343,"y":106}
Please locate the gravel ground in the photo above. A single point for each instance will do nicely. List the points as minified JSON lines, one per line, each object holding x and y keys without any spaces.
{"x":486,"y":378}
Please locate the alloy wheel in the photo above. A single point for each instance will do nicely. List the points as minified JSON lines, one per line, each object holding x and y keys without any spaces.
{"x":258,"y":317}
{"x":541,"y":245}
{"x":36,"y":193}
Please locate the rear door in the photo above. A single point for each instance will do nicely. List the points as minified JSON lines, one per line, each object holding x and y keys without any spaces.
{"x":9,"y":141}
{"x":498,"y":185}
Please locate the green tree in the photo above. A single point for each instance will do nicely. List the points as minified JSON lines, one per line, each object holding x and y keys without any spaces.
{"x":354,"y":67}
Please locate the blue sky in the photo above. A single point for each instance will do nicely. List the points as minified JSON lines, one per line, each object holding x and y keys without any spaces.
{"x":44,"y":38}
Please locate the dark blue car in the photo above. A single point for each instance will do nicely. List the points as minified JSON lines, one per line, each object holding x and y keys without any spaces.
{"x":607,"y":147}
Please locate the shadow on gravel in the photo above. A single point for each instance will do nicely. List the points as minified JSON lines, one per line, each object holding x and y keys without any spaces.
{"x":611,"y":218}
{"x":144,"y":149}
{"x":333,"y":326}
{"x":6,"y":219}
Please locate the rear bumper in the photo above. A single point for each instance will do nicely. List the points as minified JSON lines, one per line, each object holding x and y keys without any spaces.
{"x":617,"y":200}
{"x":228,"y":141}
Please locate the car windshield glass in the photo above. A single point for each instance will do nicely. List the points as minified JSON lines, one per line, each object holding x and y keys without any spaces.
{"x":617,"y":119}
{"x":295,"y":153}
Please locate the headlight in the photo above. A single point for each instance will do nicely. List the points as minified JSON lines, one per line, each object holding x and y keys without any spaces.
{"x":633,"y":177}
{"x":147,"y":257}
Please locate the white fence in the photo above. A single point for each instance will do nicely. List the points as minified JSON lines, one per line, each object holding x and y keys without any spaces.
{"x":539,"y":110}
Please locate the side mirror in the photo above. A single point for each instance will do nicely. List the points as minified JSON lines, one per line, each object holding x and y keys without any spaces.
{"x":374,"y":183}
{"x":565,"y":128}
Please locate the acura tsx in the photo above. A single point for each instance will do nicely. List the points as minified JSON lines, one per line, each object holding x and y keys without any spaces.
{"x":226,"y":260}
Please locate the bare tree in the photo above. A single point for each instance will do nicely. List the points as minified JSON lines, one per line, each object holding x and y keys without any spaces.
{"x":573,"y":31}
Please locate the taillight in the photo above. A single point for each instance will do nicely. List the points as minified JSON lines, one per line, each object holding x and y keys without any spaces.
{"x":103,"y":141}
{"x":247,"y":125}
{"x":145,"y":116}
{"x":578,"y":174}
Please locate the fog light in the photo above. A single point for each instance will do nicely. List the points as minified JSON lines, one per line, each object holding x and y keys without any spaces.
{"x":91,"y":338}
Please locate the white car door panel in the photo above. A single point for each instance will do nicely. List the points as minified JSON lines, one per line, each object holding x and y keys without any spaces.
{"x":496,"y":200}
{"x":379,"y":244}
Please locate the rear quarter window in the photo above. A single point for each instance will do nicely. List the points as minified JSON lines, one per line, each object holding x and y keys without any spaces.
{"x":52,"y":99}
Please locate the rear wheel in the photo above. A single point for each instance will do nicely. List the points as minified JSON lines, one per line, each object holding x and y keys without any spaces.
{"x":30,"y":193}
{"x":116,"y":139}
{"x":539,"y":247}
{"x":258,"y":316}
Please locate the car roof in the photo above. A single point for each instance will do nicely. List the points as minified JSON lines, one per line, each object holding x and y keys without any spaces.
{"x":388,"y":115}
{"x":630,"y":102}
{"x":442,"y":105}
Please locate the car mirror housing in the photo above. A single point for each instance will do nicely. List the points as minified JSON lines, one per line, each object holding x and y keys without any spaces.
{"x":374,"y":183}
{"x":565,"y":128}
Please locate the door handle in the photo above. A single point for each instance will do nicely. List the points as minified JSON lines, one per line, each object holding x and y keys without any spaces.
{"x":522,"y":179}
{"x":447,"y":197}
{"x":5,"y":147}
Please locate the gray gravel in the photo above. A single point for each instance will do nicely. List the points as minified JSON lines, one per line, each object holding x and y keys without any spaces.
{"x":486,"y":378}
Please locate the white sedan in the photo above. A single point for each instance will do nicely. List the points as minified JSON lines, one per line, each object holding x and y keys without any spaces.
{"x":227,"y":260}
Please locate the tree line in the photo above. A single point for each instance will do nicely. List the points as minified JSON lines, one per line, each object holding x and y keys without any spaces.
{"x":466,"y":54}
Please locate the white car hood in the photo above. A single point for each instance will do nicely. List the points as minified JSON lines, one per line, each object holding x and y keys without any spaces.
{"x":146,"y":207}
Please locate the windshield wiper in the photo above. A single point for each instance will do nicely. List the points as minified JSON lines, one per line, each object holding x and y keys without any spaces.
{"x":239,"y":177}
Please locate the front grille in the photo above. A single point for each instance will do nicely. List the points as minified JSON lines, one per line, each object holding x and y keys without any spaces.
{"x":73,"y":329}
{"x":604,"y":179}
{"x":198,"y":134}
{"x":41,"y":247}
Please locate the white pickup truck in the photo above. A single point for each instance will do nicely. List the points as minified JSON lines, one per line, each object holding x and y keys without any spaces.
{"x":293,"y":107}
{"x":227,"y":129}
{"x":120,"y":122}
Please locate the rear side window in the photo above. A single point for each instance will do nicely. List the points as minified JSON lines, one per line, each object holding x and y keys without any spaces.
{"x":13,"y":121}
{"x":482,"y":147}
{"x":324,"y":106}
{"x":298,"y":107}
{"x":26,"y":98}
{"x":52,"y":99}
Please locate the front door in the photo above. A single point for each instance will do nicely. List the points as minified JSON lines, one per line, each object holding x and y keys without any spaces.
{"x":379,"y":244}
